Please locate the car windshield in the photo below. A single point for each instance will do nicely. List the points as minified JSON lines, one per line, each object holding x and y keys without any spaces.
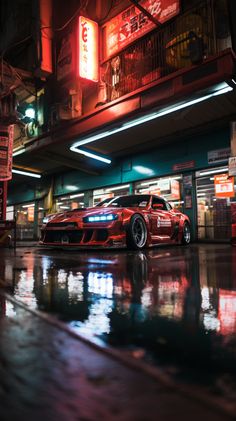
{"x":132,"y":201}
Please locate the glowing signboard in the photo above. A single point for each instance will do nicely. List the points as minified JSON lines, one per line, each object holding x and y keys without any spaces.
{"x":132,"y":24}
{"x":224,"y":185}
{"x":88,"y":49}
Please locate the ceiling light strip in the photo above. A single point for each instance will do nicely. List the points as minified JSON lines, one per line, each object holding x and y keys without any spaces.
{"x":125,"y":186}
{"x":90,"y":155}
{"x":26,"y":173}
{"x":215,"y":171}
{"x":222,"y":89}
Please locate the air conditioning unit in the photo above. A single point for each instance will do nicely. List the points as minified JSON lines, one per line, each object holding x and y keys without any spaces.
{"x":71,"y":107}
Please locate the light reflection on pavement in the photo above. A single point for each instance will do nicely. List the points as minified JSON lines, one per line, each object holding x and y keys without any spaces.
{"x":169,"y":300}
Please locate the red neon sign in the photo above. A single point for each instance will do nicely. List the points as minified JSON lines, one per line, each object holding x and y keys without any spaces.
{"x":88,"y":49}
{"x":132,"y":24}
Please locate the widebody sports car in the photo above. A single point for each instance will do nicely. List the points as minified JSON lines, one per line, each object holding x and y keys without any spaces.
{"x":134,"y":221}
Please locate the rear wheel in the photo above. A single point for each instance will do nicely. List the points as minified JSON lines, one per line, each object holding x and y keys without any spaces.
{"x":136,"y":235}
{"x":186,"y":238}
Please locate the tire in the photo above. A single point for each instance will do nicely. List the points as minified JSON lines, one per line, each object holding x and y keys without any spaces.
{"x":136,"y":234}
{"x":186,"y":237}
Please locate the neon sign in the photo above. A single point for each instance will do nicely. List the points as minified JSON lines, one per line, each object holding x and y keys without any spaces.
{"x":88,"y":49}
{"x":132,"y":24}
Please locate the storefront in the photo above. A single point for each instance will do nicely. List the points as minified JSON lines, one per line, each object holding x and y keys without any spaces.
{"x":69,"y":202}
{"x":29,"y":217}
{"x":168,"y":187}
{"x":215,"y":191}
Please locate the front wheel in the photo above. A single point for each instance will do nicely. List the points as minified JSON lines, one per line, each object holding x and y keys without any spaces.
{"x":186,"y":237}
{"x":136,"y":235}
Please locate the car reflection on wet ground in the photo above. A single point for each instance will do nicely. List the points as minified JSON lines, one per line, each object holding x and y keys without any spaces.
{"x":174,"y":307}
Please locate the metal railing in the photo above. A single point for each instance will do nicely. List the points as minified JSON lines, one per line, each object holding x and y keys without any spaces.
{"x":187,"y":40}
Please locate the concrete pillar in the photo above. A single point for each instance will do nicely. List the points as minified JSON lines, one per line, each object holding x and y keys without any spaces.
{"x":233,"y":204}
{"x":35,"y":229}
{"x":3,"y":199}
{"x":48,"y":200}
{"x":88,"y":199}
{"x":131,"y":188}
{"x":233,"y":138}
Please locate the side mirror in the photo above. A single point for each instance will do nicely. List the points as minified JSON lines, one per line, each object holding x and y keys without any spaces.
{"x":158,"y":206}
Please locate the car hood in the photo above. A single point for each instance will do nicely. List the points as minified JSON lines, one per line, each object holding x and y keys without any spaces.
{"x":76,"y":214}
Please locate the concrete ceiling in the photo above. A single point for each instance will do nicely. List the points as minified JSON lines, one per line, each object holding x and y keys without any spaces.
{"x":216,"y":112}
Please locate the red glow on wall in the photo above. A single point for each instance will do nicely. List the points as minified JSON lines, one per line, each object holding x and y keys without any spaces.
{"x":88,"y":49}
{"x":46,"y":37}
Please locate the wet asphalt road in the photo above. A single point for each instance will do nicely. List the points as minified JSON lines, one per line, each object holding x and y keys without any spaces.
{"x":173,"y":307}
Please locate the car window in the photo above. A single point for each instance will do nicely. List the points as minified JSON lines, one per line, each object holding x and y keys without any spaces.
{"x":130,"y":201}
{"x":168,"y":206}
{"x":159,"y":201}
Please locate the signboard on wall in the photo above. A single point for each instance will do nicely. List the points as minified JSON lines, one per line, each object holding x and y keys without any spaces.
{"x":6,"y":145}
{"x":30,"y":212}
{"x":232,"y":165}
{"x":218,"y":155}
{"x":183,"y":165}
{"x":175,"y":189}
{"x":132,"y":24}
{"x":78,"y":52}
{"x":88,"y":49}
{"x":224,"y":185}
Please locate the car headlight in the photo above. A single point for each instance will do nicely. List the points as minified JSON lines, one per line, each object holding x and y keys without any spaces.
{"x":46,"y":219}
{"x":100,"y":218}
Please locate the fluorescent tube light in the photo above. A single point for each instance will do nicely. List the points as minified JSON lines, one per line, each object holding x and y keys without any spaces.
{"x":222,"y":88}
{"x":118,"y":188}
{"x":147,"y":183}
{"x":29,"y":206}
{"x":28,"y":174}
{"x":71,"y":187}
{"x":73,"y":196}
{"x":18,"y":152}
{"x":90,"y":154}
{"x":213,"y":171}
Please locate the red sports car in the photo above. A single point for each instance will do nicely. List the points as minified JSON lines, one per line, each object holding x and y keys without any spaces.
{"x":134,"y":221}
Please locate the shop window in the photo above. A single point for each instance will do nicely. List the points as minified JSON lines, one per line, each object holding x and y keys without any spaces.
{"x":170,"y":188}
{"x":70,"y":202}
{"x":25,"y":221}
{"x":213,"y":206}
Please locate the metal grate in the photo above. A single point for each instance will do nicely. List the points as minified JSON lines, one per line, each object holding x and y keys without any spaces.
{"x":187,"y":40}
{"x":62,"y":224}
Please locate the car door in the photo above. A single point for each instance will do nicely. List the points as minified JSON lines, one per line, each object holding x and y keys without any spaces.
{"x":161,"y":219}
